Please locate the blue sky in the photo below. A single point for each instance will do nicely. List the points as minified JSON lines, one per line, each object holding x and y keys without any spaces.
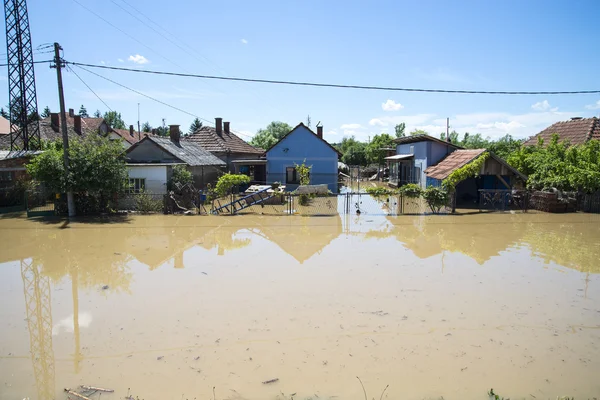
{"x":478,"y":45}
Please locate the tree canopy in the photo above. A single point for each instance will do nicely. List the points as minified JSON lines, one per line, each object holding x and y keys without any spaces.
{"x":265,"y":138}
{"x":83,"y":112}
{"x":375,"y":150}
{"x":399,"y":129}
{"x":353,"y":151}
{"x":195,"y":125}
{"x":114,"y":120}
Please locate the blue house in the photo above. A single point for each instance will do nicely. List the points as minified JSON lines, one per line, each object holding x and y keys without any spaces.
{"x":414,"y":154}
{"x":302,"y":145}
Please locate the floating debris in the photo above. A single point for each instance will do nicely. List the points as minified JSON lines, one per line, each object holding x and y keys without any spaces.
{"x":73,"y":393}
{"x":270,"y":381}
{"x":160,"y":358}
{"x":97,"y":389}
{"x":105,"y":287}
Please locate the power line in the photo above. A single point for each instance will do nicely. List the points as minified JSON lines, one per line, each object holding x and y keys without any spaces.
{"x":152,"y":98}
{"x":88,"y":86}
{"x":35,"y":62}
{"x":128,"y":35}
{"x":337,"y":86}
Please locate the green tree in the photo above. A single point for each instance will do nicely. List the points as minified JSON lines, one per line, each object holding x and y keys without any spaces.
{"x":418,"y":132}
{"x":181,"y":176}
{"x":146,"y":127}
{"x":308,"y":121}
{"x":46,"y":113}
{"x":196,"y":124}
{"x":114,"y":120}
{"x":97,"y":168}
{"x":83,"y":112}
{"x":375,"y":150}
{"x":3,"y":113}
{"x":353,"y":151}
{"x":505,"y":146}
{"x":400,"y":128}
{"x":265,"y":138}
{"x":97,"y":114}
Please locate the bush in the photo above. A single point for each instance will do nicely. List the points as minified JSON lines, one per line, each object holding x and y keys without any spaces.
{"x":181,"y":176}
{"x":228,"y":181}
{"x":436,"y":198}
{"x":146,"y":203}
{"x":379,"y":191}
{"x":411,"y":190}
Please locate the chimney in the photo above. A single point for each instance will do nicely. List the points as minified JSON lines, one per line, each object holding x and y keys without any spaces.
{"x":320,"y":131}
{"x":131,"y":130}
{"x":54,"y":121}
{"x":77,"y":124}
{"x":153,"y":132}
{"x":71,"y":113}
{"x":226,"y":127}
{"x":174,"y":134}
{"x":219,"y":126}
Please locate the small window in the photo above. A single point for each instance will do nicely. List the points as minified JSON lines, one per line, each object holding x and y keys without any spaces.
{"x":291,"y":176}
{"x":412,"y":150}
{"x":137,"y":185}
{"x":6,"y":176}
{"x":417,"y":178}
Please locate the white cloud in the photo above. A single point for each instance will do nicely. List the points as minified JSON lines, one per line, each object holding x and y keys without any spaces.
{"x":351,"y":126}
{"x":391,"y":105}
{"x":120,"y":60}
{"x":543,"y":106}
{"x":102,"y":62}
{"x":244,"y":41}
{"x":595,"y":106}
{"x":377,"y":122}
{"x":138,"y":59}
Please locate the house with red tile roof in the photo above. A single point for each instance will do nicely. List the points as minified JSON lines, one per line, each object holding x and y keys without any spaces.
{"x":577,"y":130}
{"x":224,"y":144}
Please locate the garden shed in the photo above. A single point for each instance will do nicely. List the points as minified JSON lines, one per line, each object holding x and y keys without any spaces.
{"x":493,"y":174}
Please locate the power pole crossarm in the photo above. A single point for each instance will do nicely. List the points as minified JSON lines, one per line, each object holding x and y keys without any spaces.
{"x":58,"y":64}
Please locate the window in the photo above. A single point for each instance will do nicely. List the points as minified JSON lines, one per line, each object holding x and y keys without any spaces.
{"x":291,"y":176}
{"x":137,"y":185}
{"x":417,"y":177}
{"x":6,"y":176}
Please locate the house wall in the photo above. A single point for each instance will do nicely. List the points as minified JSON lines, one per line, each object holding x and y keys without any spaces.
{"x":303,"y":146}
{"x":155,"y":175}
{"x":124,"y":143}
{"x":147,"y":151}
{"x":426,"y":153}
{"x":230,"y":157}
{"x":13,"y":170}
{"x":205,"y":175}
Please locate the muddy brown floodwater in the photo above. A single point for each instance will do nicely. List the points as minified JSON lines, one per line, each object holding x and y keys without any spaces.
{"x":171,"y":307}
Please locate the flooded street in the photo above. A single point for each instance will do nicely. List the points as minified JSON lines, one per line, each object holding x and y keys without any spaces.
{"x":172,"y":306}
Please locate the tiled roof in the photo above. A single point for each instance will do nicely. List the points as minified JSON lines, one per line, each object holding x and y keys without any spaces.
{"x":188,"y":152}
{"x":575,"y":131}
{"x":9,"y":155}
{"x":455,"y":160}
{"x":208,"y":138}
{"x":126,"y":135}
{"x":88,"y":126}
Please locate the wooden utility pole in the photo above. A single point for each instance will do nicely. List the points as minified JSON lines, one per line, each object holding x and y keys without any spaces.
{"x":63,"y":126}
{"x":447,"y":129}
{"x":139,"y":130}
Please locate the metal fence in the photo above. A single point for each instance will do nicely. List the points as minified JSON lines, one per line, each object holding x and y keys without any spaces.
{"x":504,"y":200}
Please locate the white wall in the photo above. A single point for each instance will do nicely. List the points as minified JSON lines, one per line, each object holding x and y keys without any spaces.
{"x":155,"y":175}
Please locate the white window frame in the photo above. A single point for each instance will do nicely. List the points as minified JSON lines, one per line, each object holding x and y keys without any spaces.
{"x":136,"y":185}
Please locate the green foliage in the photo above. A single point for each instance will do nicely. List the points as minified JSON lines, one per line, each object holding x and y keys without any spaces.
{"x":466,"y":171}
{"x":411,"y":190}
{"x":505,"y":146}
{"x":82,"y":112}
{"x":97,"y":114}
{"x":304,"y":173}
{"x":399,"y":129}
{"x":4,"y":114}
{"x":560,"y":166}
{"x":375,"y":150}
{"x":146,"y":203}
{"x":436,"y":198}
{"x":181,"y":176}
{"x":353,"y":151}
{"x":229,"y":181}
{"x":265,"y":138}
{"x":195,"y":125}
{"x":114,"y":120}
{"x":45,"y":114}
{"x":380,"y":191}
{"x":97,"y":167}
{"x":146,"y":127}
{"x":418,"y":132}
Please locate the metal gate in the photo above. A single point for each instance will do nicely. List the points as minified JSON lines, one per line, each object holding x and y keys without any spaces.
{"x":40,"y":203}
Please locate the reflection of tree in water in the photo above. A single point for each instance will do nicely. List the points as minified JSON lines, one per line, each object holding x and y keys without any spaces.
{"x":480,"y":237}
{"x":571,"y":245}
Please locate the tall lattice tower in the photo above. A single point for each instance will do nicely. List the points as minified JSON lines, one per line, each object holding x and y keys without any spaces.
{"x":24,"y":126}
